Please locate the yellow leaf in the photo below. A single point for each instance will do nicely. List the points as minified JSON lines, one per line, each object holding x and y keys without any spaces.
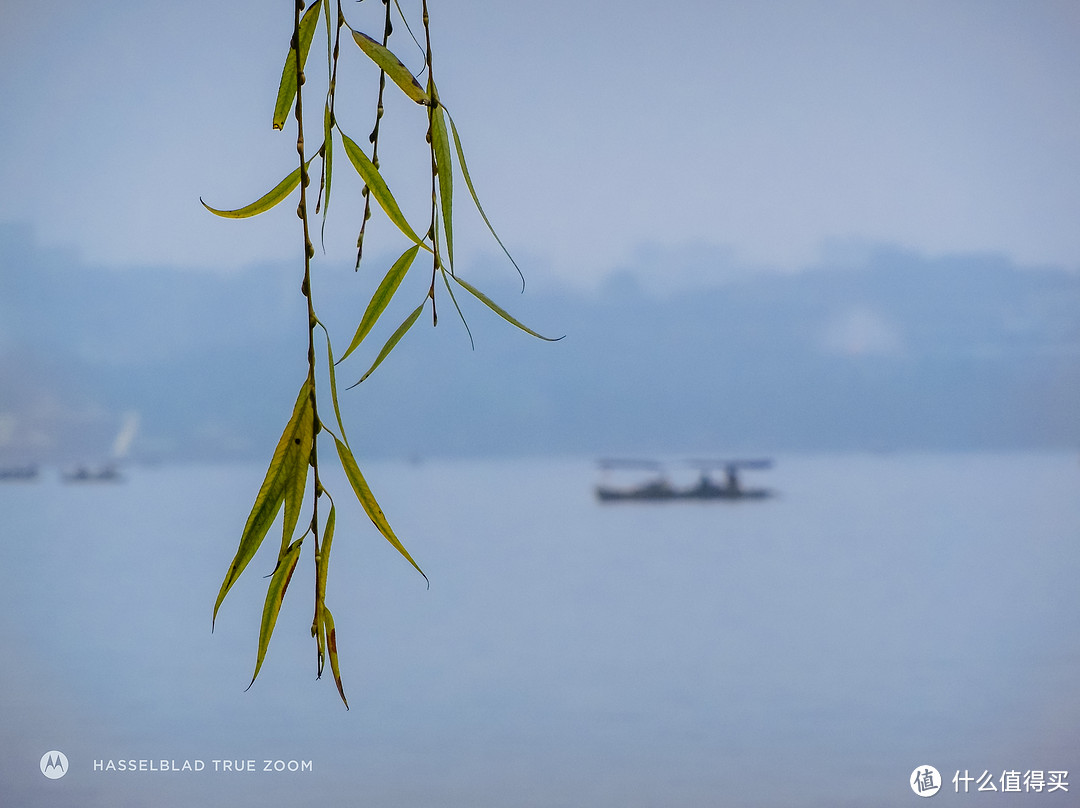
{"x":263,"y":203}
{"x":369,"y":503}
{"x":392,"y":66}
{"x":331,"y":645}
{"x":495,"y":307}
{"x":275,"y":594}
{"x":379,"y":189}
{"x":440,"y":144}
{"x":278,"y":485}
{"x":287,"y":86}
{"x":382,"y":296}
{"x":395,"y":338}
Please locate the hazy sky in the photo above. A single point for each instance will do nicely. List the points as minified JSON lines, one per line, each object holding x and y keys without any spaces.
{"x":595,"y":129}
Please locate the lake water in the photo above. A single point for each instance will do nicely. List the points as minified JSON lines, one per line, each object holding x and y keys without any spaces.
{"x":884,"y":612}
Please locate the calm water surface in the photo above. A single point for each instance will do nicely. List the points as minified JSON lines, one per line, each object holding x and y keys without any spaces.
{"x":885,"y":611}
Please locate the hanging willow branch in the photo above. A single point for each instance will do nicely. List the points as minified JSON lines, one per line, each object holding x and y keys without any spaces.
{"x":296,"y":457}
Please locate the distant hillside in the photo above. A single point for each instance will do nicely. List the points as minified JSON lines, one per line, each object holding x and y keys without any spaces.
{"x":900,"y":352}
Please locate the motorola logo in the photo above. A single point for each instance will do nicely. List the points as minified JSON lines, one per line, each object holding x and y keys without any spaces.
{"x":54,"y":764}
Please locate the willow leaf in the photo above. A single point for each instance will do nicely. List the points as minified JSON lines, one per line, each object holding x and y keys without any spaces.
{"x":495,"y":307}
{"x":331,"y":645}
{"x":263,"y":203}
{"x":273,"y":490}
{"x":327,"y":167}
{"x":453,"y":299}
{"x":475,"y":198}
{"x":275,"y":593}
{"x":408,"y":27}
{"x":382,"y":296}
{"x":322,"y":562}
{"x":295,"y":469}
{"x":327,"y":13}
{"x":379,"y":189}
{"x":395,"y":338}
{"x":287,"y":87}
{"x":333,"y":382}
{"x":318,"y":631}
{"x":369,"y":503}
{"x":440,"y":144}
{"x":392,"y":66}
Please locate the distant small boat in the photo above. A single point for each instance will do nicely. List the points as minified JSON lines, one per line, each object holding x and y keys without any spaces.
{"x":108,"y":472}
{"x":84,"y":474}
{"x":660,"y":489}
{"x":18,"y":473}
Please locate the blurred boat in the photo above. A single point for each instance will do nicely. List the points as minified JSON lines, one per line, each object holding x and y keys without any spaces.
{"x":85,"y":474}
{"x":108,"y":472}
{"x":18,"y":474}
{"x":660,"y":489}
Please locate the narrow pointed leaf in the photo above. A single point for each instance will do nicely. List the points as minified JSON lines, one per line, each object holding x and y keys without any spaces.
{"x":382,"y":296}
{"x":453,"y":299}
{"x":327,"y":13}
{"x":333,"y":383}
{"x":374,"y":181}
{"x":275,"y":593}
{"x":331,"y":645}
{"x":408,"y":27}
{"x":491,"y":304}
{"x":395,"y":338}
{"x":287,"y":87}
{"x":392,"y":66}
{"x":369,"y":503}
{"x":475,"y":198}
{"x":263,"y":203}
{"x":440,"y":144}
{"x":322,"y":562}
{"x":295,"y":471}
{"x":327,"y":169}
{"x":272,"y":492}
{"x":318,"y":631}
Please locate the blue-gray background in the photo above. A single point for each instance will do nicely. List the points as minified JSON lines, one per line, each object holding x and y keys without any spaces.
{"x":842,"y":234}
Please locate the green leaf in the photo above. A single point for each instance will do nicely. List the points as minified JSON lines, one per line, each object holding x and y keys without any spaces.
{"x":408,"y":27}
{"x":440,"y":145}
{"x":491,"y":304}
{"x":368,"y":501}
{"x":275,"y":594}
{"x":318,"y":631}
{"x":392,"y":66}
{"x":331,"y":644}
{"x":453,"y":299}
{"x":322,"y":564}
{"x":263,"y":203}
{"x":395,"y":338}
{"x":329,"y":40}
{"x":279,"y":484}
{"x":382,"y":297}
{"x":287,"y":87}
{"x":333,"y":381}
{"x":374,"y":181}
{"x":327,"y":168}
{"x":475,"y":198}
{"x":295,"y":466}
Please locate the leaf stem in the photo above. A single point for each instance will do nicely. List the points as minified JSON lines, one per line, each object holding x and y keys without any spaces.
{"x":374,"y":139}
{"x":309,"y":251}
{"x":434,"y":229}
